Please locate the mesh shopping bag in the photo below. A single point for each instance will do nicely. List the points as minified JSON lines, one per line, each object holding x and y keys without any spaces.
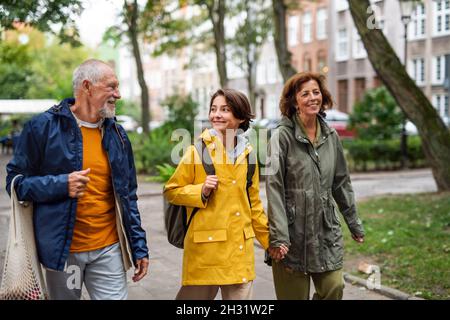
{"x":22,"y":274}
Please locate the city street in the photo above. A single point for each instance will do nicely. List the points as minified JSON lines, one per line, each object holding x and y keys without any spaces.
{"x":164,"y":276}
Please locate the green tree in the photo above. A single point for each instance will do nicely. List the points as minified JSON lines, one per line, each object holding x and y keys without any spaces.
{"x":182,"y":111}
{"x":280,"y":9}
{"x":15,"y":70}
{"x":250,"y":36}
{"x":45,"y":15}
{"x":39,"y":69}
{"x":376,"y":116}
{"x":137,"y":23}
{"x":53,"y":66}
{"x":435,"y":135}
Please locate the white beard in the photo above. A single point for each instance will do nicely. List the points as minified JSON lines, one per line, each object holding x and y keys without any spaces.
{"x":106,"y":112}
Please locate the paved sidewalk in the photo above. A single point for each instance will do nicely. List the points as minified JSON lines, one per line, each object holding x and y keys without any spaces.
{"x":164,"y":276}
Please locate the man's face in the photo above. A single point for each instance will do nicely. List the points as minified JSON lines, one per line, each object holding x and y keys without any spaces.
{"x":105,"y":93}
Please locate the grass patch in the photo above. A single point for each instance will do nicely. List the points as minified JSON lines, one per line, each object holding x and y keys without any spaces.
{"x":408,"y":236}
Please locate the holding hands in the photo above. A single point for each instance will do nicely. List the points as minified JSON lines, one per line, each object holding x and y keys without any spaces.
{"x":278,"y":253}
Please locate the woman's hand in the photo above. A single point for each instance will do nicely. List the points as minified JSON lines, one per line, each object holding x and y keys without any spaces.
{"x":278,"y":253}
{"x":359,"y":239}
{"x":210,"y":184}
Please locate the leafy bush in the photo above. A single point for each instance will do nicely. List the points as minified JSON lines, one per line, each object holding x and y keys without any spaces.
{"x":376,"y":116}
{"x":154,"y":149}
{"x":382,"y":154}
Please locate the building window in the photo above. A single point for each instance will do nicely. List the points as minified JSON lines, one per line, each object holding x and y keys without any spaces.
{"x":359,"y":52}
{"x":272,"y":71}
{"x":321,"y":28}
{"x":418,"y":18}
{"x":438,"y":67}
{"x":322,"y":62}
{"x":293,"y":31}
{"x":307,"y":27}
{"x":342,"y":45}
{"x":441,"y":15}
{"x":441,"y":103}
{"x":307,"y":63}
{"x":341,"y":5}
{"x":343,"y":95}
{"x":417,"y":70}
{"x":360,"y":88}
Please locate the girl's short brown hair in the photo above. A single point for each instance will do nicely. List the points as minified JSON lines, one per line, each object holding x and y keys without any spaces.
{"x":239,"y":104}
{"x":288,"y":102}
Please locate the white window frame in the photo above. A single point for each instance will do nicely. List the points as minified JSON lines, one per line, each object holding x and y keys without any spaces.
{"x":417,"y":70}
{"x":272,"y":71}
{"x":359,"y":52}
{"x":307,"y":27}
{"x":438,"y":70}
{"x":418,"y":22}
{"x":341,"y":5}
{"x":441,"y":104}
{"x":342,"y":55}
{"x":444,"y":15}
{"x":293,"y":22}
{"x":321,"y":24}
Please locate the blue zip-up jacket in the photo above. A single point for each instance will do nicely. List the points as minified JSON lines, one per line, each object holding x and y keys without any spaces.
{"x":50,"y":147}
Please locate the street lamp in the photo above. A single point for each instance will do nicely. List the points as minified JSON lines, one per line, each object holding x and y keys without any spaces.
{"x":406,"y":9}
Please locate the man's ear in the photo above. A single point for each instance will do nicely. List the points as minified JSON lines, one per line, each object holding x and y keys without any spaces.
{"x":86,"y":86}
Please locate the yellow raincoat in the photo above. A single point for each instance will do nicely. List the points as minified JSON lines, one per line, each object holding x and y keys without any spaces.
{"x":218,"y":247}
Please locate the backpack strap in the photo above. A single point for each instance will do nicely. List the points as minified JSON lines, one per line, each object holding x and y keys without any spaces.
{"x":251,"y":167}
{"x":207,"y":163}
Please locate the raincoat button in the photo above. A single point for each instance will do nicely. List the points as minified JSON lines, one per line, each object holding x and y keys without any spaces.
{"x":241,"y":247}
{"x":238,"y":214}
{"x":233,"y":182}
{"x":244,"y":280}
{"x":210,"y":238}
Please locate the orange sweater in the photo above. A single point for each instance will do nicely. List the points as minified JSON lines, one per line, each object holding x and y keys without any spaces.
{"x":95,"y":225}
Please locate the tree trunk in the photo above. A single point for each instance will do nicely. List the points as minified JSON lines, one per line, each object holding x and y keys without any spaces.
{"x":433,"y":132}
{"x":251,"y":80}
{"x":280,"y":38}
{"x":133,"y":35}
{"x":216,"y":11}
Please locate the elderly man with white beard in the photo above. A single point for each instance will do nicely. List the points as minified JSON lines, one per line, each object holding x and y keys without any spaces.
{"x":76,"y":165}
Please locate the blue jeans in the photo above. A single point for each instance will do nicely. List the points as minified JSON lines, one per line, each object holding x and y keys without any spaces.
{"x":101,"y":271}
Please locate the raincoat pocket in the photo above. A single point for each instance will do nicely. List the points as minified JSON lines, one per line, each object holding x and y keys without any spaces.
{"x":210,"y":236}
{"x":249,"y":233}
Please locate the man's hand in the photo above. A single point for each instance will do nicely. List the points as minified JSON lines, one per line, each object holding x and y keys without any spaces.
{"x":141,"y":269}
{"x":210,"y":184}
{"x":77,"y":183}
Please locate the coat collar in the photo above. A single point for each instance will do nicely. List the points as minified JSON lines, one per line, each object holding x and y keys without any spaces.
{"x":63,"y":109}
{"x":213,"y":143}
{"x":299,"y":134}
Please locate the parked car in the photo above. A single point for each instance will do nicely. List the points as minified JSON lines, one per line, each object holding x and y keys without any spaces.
{"x":339,"y":121}
{"x":127,"y":122}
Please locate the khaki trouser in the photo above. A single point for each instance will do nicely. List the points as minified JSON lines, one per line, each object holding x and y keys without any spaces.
{"x":295,"y":285}
{"x":241,"y":291}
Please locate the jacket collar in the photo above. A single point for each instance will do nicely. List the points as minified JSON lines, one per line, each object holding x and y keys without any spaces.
{"x":63,"y":109}
{"x":212,"y":142}
{"x":299,"y":134}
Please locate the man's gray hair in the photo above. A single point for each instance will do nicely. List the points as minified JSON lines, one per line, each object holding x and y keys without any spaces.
{"x":92,"y":70}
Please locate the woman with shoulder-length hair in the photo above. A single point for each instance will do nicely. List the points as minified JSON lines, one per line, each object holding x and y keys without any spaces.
{"x":302,"y":195}
{"x":218,"y":247}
